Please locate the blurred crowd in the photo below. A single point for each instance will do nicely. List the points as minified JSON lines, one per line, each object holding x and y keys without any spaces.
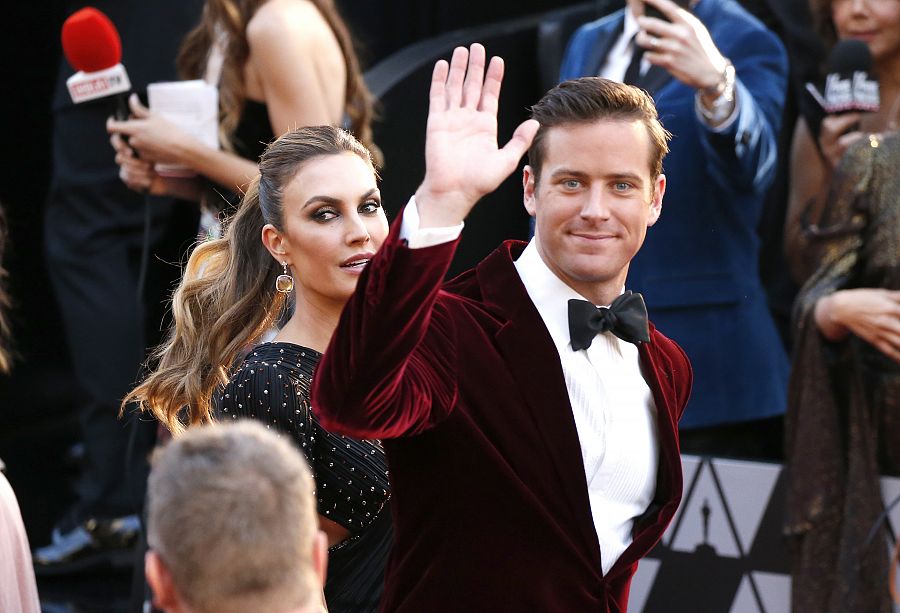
{"x":775,"y":265}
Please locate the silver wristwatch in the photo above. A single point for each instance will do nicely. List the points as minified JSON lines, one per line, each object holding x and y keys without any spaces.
{"x":723,"y":103}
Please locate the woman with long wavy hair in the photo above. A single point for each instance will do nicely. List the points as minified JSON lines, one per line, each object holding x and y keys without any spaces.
{"x":305,"y":229}
{"x":278,"y":64}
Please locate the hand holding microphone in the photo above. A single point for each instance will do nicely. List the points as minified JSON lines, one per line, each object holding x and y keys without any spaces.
{"x":849,"y":91}
{"x":158,"y":140}
{"x":836,"y":135}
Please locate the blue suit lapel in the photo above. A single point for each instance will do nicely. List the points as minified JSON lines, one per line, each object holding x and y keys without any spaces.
{"x":602,"y":44}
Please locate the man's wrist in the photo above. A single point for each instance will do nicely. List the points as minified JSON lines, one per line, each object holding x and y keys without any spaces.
{"x":722,"y":89}
{"x":717,"y":103}
{"x":441,"y":209}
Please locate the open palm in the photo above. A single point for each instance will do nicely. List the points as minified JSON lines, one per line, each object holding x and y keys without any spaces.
{"x":462,"y":159}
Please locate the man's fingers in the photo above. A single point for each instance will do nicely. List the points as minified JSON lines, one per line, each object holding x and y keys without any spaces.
{"x":474,"y":76}
{"x":456,"y":77}
{"x":490,"y":93}
{"x":659,"y":59}
{"x":520,"y":141}
{"x":437,"y":95}
{"x":658,"y":28}
{"x":650,"y":41}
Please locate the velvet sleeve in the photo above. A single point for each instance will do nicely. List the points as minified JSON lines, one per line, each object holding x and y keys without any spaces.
{"x":390,"y":369}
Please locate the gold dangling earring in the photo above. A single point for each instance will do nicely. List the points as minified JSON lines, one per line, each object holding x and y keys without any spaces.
{"x":285,"y":282}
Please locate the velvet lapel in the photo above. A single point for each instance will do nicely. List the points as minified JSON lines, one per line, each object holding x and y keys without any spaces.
{"x":602,"y":44}
{"x":528,"y":348}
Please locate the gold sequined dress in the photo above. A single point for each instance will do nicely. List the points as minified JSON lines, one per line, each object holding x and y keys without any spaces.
{"x":842,"y":423}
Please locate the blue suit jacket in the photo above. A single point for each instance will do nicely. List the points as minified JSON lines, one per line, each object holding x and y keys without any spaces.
{"x":698,"y":268}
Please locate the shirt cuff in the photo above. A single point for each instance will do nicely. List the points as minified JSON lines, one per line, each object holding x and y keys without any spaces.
{"x":713,"y":123}
{"x":419,"y":238}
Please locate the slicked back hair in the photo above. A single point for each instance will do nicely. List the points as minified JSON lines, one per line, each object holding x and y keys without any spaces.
{"x":590,"y":99}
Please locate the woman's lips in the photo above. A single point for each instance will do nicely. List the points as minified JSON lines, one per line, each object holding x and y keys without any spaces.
{"x":357,"y":263}
{"x":864,"y":36}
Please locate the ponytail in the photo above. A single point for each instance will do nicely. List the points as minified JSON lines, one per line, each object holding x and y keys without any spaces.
{"x":225,"y":302}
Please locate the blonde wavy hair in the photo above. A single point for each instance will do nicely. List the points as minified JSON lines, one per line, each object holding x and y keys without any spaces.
{"x":230,"y":17}
{"x":226,"y":299}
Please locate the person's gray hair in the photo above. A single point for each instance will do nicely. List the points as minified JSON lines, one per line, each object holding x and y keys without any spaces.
{"x":231,"y":514}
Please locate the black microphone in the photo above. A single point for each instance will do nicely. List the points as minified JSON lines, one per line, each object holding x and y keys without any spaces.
{"x":850,"y":85}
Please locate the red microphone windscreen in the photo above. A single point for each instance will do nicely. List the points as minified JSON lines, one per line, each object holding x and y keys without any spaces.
{"x":90,"y":41}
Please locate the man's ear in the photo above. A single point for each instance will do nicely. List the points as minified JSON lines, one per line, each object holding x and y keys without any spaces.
{"x":159,"y":579}
{"x":656,"y":203}
{"x":528,"y":188}
{"x":276,"y":244}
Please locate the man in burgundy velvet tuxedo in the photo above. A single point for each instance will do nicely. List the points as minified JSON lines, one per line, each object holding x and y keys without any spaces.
{"x":531,"y":436}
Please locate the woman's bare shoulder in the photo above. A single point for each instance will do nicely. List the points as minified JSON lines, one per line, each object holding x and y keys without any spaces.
{"x":286,"y":17}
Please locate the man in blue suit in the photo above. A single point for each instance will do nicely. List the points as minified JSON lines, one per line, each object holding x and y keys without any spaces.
{"x":718,"y":77}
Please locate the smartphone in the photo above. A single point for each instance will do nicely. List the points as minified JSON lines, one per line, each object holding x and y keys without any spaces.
{"x":652,"y":11}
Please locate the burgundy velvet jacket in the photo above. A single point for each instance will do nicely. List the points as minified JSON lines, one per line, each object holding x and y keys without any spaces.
{"x":464,"y":384}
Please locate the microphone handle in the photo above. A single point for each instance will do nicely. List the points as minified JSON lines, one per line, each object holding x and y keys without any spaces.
{"x":122,"y":110}
{"x":123,"y":113}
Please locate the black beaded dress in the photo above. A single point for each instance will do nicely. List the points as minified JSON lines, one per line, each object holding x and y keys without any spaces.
{"x":273,"y":387}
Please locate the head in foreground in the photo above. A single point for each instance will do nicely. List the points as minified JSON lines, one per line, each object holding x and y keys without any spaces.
{"x":232,"y":524}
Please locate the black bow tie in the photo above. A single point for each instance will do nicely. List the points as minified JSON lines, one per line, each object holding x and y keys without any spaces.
{"x":626,"y":317}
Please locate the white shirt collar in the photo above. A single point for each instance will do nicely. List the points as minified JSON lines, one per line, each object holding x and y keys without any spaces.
{"x":549,"y":294}
{"x":631,"y":27}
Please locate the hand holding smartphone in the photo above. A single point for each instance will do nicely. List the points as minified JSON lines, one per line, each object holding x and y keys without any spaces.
{"x":652,"y":11}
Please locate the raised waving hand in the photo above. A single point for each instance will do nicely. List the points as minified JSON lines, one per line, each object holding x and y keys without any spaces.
{"x":463,"y":161}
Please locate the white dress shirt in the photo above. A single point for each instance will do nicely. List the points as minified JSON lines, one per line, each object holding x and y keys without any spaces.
{"x":614,"y":411}
{"x":620,"y":54}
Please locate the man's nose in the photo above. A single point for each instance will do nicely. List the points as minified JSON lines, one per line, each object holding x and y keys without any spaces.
{"x":596,"y":205}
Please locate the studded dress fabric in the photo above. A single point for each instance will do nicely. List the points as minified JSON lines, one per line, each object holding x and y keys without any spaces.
{"x":272,"y":386}
{"x":843,"y":419}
